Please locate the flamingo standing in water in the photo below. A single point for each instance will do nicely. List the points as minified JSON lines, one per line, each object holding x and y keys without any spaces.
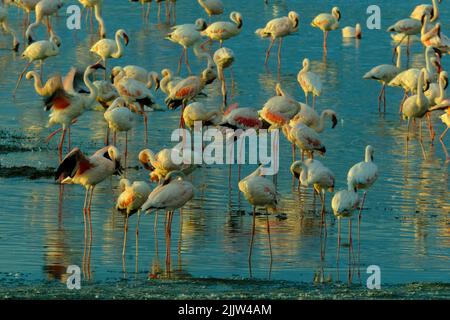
{"x":119,"y":118}
{"x":186,"y":35}
{"x":223,"y":58}
{"x":313,"y":173}
{"x":304,"y":138}
{"x":327,"y":22}
{"x":384,"y":74}
{"x":7,"y":29}
{"x":408,"y":27}
{"x":67,"y":106}
{"x":44,"y":8}
{"x":426,"y":9}
{"x":309,"y":82}
{"x":363,"y":175}
{"x":145,"y":13}
{"x":352,"y":32}
{"x":97,"y":6}
{"x":344,"y":203}
{"x":444,"y":104}
{"x":197,"y":112}
{"x":39,"y":51}
{"x":28,"y":6}
{"x":311,"y":118}
{"x":212,"y":7}
{"x":259,"y":192}
{"x":278,"y":29}
{"x":173,"y":194}
{"x":168,"y":81}
{"x":223,"y":30}
{"x":416,"y":107}
{"x":108,"y":48}
{"x":130,"y":201}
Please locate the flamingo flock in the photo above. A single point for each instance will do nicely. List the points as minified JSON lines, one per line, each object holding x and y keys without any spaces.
{"x":125,"y":91}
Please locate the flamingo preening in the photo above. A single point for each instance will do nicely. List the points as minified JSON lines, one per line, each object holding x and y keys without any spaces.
{"x":352,"y":32}
{"x":223,"y":58}
{"x":309,"y":82}
{"x":150,"y":78}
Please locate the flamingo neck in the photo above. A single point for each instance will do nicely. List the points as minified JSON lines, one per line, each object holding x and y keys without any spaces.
{"x":420,"y":95}
{"x":37,"y":83}
{"x":99,"y":18}
{"x":120,"y":47}
{"x":442,"y":92}
{"x":92,"y":89}
{"x":436,"y":11}
{"x":321,"y":125}
{"x":399,"y":58}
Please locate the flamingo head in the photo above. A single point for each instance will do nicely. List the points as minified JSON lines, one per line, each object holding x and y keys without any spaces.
{"x":336,"y":13}
{"x":201,"y":24}
{"x":124,"y":35}
{"x":237,"y":18}
{"x":293,"y":16}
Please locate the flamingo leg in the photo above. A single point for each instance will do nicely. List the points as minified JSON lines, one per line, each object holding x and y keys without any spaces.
{"x":268,"y":50}
{"x":325,"y":36}
{"x":114,"y":138}
{"x":441,"y":140}
{"x":280,"y":43}
{"x":251,"y":242}
{"x":68,"y":139}
{"x":60,"y":146}
{"x":180,"y":61}
{"x":126,"y":149}
{"x":270,"y":241}
{"x":405,"y":96}
{"x":380,"y":97}
{"x":407,"y":134}
{"x":430,"y":128}
{"x":137,"y":238}
{"x":147,"y":14}
{"x":85,"y":228}
{"x":339,"y":241}
{"x":107,"y":136}
{"x":224,"y":88}
{"x":20,"y":77}
{"x":421,"y":139}
{"x":125,"y":232}
{"x":186,"y":61}
{"x":90,"y":233}
{"x":314,"y":101}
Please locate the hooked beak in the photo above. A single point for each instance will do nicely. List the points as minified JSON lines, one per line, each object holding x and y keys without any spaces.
{"x":112,"y":78}
{"x":157,"y":84}
{"x":125,"y":37}
{"x":97,"y":66}
{"x":16,"y":47}
{"x":334,"y":120}
{"x":30,"y":40}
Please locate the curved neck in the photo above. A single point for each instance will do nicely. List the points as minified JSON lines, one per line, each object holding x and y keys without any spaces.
{"x":37,"y":83}
{"x":321,"y":125}
{"x":98,"y":17}
{"x":420,"y":94}
{"x":443,"y":94}
{"x":368,"y":156}
{"x":120,"y":48}
{"x":92,"y":89}
{"x":424,"y":29}
{"x":435,"y":11}
{"x":399,"y":58}
{"x":164,"y":84}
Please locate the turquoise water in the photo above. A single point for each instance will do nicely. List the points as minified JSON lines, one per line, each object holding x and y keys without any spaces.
{"x":406,"y":222}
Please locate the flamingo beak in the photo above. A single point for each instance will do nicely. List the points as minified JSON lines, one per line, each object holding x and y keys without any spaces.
{"x":16,"y":47}
{"x":157,"y":84}
{"x":97,"y":66}
{"x":125,"y":37}
{"x":334,"y":120}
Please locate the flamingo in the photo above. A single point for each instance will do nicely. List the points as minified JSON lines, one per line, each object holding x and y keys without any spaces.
{"x":224,"y":30}
{"x":426,"y":9}
{"x":313,"y":173}
{"x":134,"y":91}
{"x":44,"y":8}
{"x":150,"y":78}
{"x":436,"y":39}
{"x":108,"y":48}
{"x":240,"y":118}
{"x":344,"y":203}
{"x":363,"y":175}
{"x":408,"y":27}
{"x":279,"y":28}
{"x":28,"y":6}
{"x":88,"y":171}
{"x":309,"y":82}
{"x":7,"y":29}
{"x":186,"y":35}
{"x":187,"y":89}
{"x":168,"y":81}
{"x":97,"y":5}
{"x":352,"y":32}
{"x":119,"y":118}
{"x":173,"y":194}
{"x":445,"y":118}
{"x":384,"y":74}
{"x":436,"y":93}
{"x":67,"y":106}
{"x":327,"y":22}
{"x":223,"y":58}
{"x":311,"y":118}
{"x":198,"y":112}
{"x":212,"y":7}
{"x":305,"y":138}
{"x":106,"y":93}
{"x":259,"y":192}
{"x":416,"y":107}
{"x":39,"y":51}
{"x":279,"y":109}
{"x":161,"y":164}
{"x":130,"y":201}
{"x":159,"y":2}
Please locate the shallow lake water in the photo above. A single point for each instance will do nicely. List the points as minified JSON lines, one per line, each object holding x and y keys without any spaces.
{"x":406,"y":220}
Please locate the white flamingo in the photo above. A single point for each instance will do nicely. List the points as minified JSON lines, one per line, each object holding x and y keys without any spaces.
{"x":119,"y":119}
{"x":108,"y":48}
{"x":173,"y":194}
{"x":416,"y":107}
{"x":352,"y":32}
{"x":279,"y":28}
{"x":28,"y":6}
{"x":168,"y":81}
{"x":186,"y":35}
{"x":312,"y":173}
{"x":437,"y":39}
{"x":43,"y":9}
{"x":363,"y":175}
{"x":240,"y":118}
{"x":197,"y":112}
{"x":259,"y":192}
{"x":97,"y":6}
{"x":327,"y":22}
{"x":309,"y":82}
{"x":384,"y":74}
{"x":39,"y":51}
{"x":7,"y":29}
{"x":223,"y":58}
{"x":426,"y":9}
{"x":224,"y":30}
{"x":408,"y":27}
{"x":130,"y":201}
